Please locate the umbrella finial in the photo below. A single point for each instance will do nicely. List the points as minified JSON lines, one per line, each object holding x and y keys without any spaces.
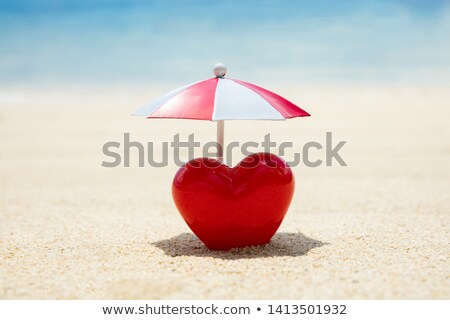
{"x":220,"y":70}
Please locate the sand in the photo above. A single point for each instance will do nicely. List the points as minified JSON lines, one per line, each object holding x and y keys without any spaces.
{"x":72,"y":229}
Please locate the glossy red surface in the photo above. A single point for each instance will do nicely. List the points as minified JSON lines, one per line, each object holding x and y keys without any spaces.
{"x":234,"y":207}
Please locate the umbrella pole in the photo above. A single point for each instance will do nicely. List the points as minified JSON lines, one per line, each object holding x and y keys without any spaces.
{"x":220,"y":136}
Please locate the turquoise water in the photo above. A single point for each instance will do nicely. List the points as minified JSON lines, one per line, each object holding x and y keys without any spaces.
{"x":162,"y":41}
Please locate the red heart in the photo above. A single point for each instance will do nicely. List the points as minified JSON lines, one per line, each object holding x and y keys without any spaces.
{"x":234,"y":207}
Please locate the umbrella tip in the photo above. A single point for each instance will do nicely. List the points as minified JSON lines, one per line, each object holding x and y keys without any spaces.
{"x":220,"y":70}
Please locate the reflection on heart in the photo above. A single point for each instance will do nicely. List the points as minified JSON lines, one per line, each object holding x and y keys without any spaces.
{"x":234,"y":207}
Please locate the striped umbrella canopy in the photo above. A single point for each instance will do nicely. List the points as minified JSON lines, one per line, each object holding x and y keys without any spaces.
{"x":219,"y":99}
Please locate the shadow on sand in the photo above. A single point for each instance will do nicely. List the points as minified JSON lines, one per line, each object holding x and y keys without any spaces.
{"x":282,"y":245}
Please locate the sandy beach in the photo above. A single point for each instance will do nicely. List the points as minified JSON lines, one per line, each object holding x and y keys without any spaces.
{"x":72,"y":229}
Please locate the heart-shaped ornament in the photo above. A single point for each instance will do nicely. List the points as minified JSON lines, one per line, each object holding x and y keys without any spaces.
{"x":234,"y":207}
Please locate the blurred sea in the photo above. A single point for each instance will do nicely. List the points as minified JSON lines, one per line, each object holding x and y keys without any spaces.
{"x":101,"y":42}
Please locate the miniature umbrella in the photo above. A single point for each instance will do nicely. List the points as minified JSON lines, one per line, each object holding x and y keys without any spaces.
{"x":219,"y":99}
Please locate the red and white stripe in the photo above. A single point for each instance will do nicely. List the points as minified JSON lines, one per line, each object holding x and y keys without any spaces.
{"x":221,"y":99}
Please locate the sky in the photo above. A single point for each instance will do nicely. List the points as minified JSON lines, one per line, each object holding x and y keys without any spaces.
{"x":319,"y":42}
